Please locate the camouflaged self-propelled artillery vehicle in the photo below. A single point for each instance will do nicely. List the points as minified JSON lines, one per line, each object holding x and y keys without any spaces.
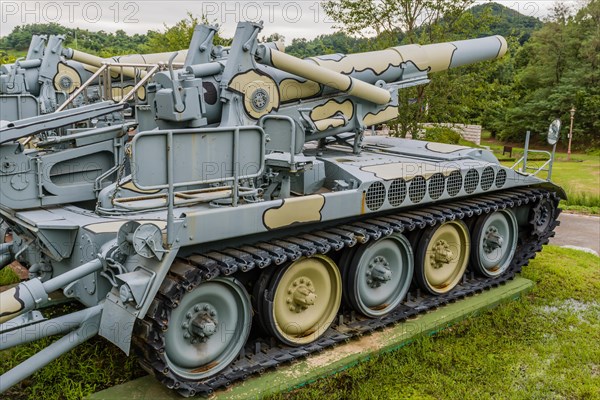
{"x":258,"y":224}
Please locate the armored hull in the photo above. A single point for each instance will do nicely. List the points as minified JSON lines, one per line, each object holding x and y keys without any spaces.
{"x":250,"y":222}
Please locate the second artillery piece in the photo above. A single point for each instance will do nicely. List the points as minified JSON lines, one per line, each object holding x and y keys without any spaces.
{"x":50,"y":73}
{"x":250,"y":221}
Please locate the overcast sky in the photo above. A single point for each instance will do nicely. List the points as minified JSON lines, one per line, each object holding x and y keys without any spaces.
{"x":293,"y":19}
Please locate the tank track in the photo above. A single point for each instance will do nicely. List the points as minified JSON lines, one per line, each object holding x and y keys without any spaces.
{"x":261,"y":354}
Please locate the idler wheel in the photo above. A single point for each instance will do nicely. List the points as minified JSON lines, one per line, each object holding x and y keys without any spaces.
{"x":441,"y":257}
{"x":541,"y":216}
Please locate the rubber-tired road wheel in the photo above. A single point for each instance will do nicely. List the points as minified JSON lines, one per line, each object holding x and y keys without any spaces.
{"x":494,"y":238}
{"x":208,"y":329}
{"x":377,"y":276}
{"x":299,"y":302}
{"x":441,"y":257}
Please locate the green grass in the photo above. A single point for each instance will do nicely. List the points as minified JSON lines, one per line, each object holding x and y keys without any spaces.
{"x":581,"y":181}
{"x":544,"y":346}
{"x":8,"y":276}
{"x":579,"y":209}
{"x":579,"y":176}
{"x":92,"y":366}
{"x":463,"y":142}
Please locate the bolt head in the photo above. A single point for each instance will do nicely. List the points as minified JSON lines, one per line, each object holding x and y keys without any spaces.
{"x":196,"y":308}
{"x":186,"y":335}
{"x":212,"y":313}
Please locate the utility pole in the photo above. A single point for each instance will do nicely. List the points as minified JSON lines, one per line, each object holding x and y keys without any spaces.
{"x":572,"y":111}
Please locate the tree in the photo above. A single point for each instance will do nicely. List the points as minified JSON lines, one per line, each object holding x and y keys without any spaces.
{"x":558,"y":68}
{"x":178,"y":36}
{"x":338,"y":42}
{"x":274,"y":37}
{"x":452,"y":96}
{"x":391,"y":19}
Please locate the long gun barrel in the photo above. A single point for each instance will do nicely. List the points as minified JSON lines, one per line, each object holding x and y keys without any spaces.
{"x":130,"y":72}
{"x":328,"y":77}
{"x":390,"y":64}
{"x":357,"y":73}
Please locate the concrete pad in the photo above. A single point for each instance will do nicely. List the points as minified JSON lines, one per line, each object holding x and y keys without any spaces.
{"x":578,"y":230}
{"x":329,"y":362}
{"x":584,"y":249}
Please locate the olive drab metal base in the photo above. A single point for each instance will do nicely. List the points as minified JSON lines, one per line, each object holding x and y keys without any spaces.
{"x":224,"y":216}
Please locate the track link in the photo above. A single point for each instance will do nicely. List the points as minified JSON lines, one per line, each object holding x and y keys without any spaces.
{"x":261,"y":354}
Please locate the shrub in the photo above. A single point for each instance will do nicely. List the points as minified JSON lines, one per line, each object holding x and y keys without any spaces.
{"x":442,"y":134}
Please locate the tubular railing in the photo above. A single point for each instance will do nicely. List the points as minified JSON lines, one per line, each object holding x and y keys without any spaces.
{"x":522,"y":166}
{"x":102,"y":78}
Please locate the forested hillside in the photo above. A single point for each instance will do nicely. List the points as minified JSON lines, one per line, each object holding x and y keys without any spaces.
{"x":552,"y":64}
{"x":100,"y":43}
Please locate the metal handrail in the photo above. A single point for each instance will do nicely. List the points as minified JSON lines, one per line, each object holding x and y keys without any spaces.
{"x":525,"y":168}
{"x":171,"y":185}
{"x":81,"y":88}
{"x":110,"y":66}
{"x":523,"y":160}
{"x":142,"y":81}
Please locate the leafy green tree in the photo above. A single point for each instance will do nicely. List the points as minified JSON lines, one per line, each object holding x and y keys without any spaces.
{"x":274,"y":37}
{"x":558,"y":69}
{"x":506,"y":21}
{"x":178,"y":36}
{"x":338,"y":42}
{"x":390,"y":20}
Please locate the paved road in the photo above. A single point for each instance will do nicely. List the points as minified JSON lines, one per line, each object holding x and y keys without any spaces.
{"x":578,"y":230}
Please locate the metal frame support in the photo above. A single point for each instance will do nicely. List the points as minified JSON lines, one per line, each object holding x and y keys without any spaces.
{"x":171,"y":188}
{"x":34,"y":293}
{"x":551,"y":162}
{"x":88,"y":327}
{"x":526,"y":150}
